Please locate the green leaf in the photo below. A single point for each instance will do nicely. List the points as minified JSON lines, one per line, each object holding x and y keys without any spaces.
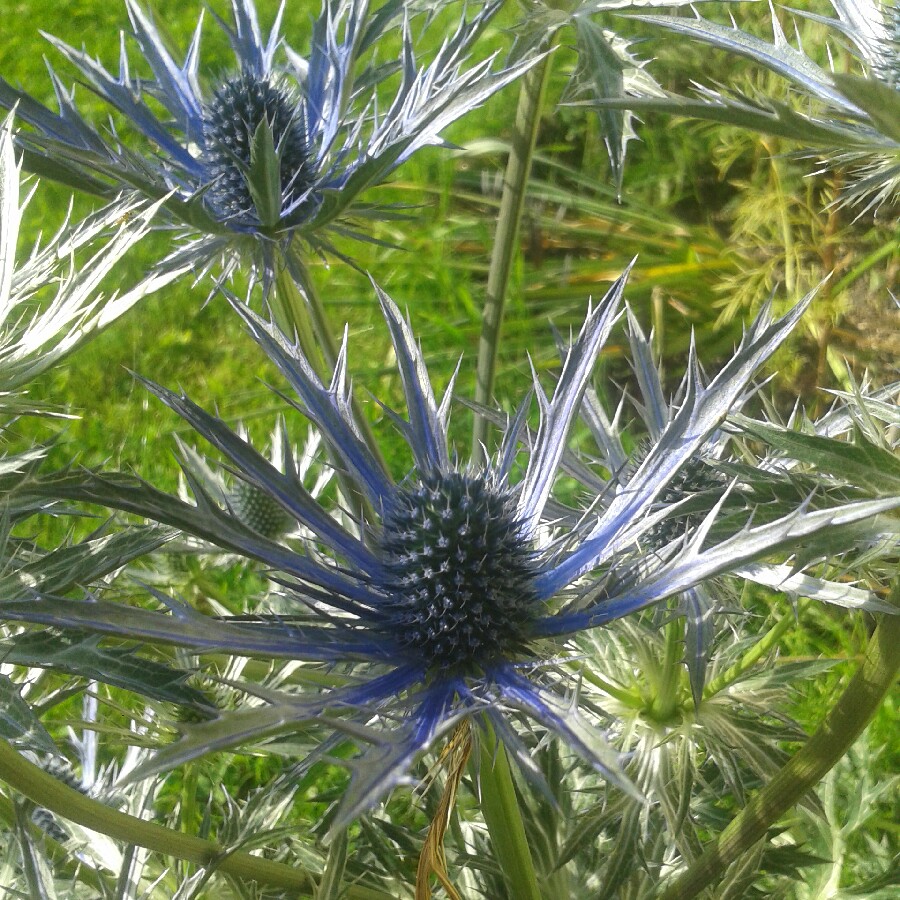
{"x":773,"y":118}
{"x":879,"y":100}
{"x":371,"y":172}
{"x":862,"y":464}
{"x":331,"y":885}
{"x":229,"y":730}
{"x":779,"y":57}
{"x":606,"y":71}
{"x":18,"y":723}
{"x":620,"y":862}
{"x":79,"y":654}
{"x":264,"y":176}
{"x":80,"y":564}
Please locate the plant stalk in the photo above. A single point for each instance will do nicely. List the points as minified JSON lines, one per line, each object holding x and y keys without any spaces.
{"x":500,"y":808}
{"x":666,"y":700}
{"x":758,"y":651}
{"x":303,"y":305}
{"x":305,"y":310}
{"x":506,"y":237}
{"x":298,"y":310}
{"x":834,"y":737}
{"x":45,"y":790}
{"x":291,"y":310}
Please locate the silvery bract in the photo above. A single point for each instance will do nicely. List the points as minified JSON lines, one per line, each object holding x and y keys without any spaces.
{"x":279,"y":145}
{"x":852,"y":117}
{"x":458,"y":593}
{"x":34,"y":337}
{"x":703,"y":474}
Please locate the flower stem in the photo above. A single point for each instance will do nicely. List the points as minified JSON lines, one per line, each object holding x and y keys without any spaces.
{"x":298,"y":309}
{"x":509,"y":220}
{"x":304,"y":310}
{"x":291,"y":310}
{"x":666,"y":700}
{"x":327,"y":346}
{"x":45,"y":790}
{"x":841,"y":727}
{"x":757,"y":652}
{"x":500,"y":808}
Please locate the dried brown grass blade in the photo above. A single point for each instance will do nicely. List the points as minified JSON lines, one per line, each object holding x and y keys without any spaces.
{"x":432,"y":860}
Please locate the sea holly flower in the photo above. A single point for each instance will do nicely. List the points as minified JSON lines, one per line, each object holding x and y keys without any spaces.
{"x":199,"y":572}
{"x":255,"y":508}
{"x":458,"y":594}
{"x":277,"y":146}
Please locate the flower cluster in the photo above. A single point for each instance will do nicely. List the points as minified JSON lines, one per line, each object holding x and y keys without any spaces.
{"x":562,"y":597}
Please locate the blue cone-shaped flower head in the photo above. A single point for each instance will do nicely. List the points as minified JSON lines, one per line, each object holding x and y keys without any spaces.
{"x":278,"y":144}
{"x":457,"y":591}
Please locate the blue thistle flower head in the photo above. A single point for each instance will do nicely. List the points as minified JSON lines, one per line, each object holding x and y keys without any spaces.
{"x":277,"y":146}
{"x":460,"y":572}
{"x":458,"y":593}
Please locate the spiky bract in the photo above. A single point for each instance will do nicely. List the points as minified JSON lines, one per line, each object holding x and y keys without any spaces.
{"x":851,"y":118}
{"x":75,"y":262}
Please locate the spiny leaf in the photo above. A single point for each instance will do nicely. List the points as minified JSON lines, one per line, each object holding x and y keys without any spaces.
{"x":18,"y":723}
{"x":861,"y":463}
{"x":264,"y":176}
{"x":229,"y":730}
{"x":80,"y":564}
{"x":82,"y":655}
{"x":879,"y":100}
{"x":606,"y":69}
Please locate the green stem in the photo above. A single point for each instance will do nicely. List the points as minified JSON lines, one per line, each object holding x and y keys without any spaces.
{"x":864,"y":265}
{"x":834,"y":737}
{"x":509,"y":220}
{"x":629,"y":698}
{"x":787,"y":233}
{"x":501,"y":812}
{"x":292,"y":314}
{"x":658,"y":317}
{"x":757,"y":652}
{"x":329,"y":348}
{"x":305,"y":311}
{"x":298,"y":309}
{"x":44,"y":790}
{"x":666,"y":700}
